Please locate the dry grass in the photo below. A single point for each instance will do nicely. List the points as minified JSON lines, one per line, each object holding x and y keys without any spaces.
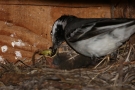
{"x":108,"y":75}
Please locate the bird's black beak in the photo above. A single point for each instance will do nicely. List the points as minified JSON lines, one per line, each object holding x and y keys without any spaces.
{"x":54,"y":50}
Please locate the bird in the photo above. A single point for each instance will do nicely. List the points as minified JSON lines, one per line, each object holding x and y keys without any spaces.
{"x":91,"y":37}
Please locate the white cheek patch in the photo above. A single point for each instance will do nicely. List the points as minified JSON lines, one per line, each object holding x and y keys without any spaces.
{"x":58,"y":22}
{"x":55,"y":26}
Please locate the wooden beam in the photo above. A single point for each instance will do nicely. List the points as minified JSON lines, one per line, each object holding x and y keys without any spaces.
{"x":56,"y":3}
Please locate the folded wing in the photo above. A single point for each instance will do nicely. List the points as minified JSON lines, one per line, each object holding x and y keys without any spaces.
{"x":80,"y":29}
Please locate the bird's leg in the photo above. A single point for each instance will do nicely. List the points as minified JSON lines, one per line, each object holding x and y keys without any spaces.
{"x":127,"y":58}
{"x":107,"y":58}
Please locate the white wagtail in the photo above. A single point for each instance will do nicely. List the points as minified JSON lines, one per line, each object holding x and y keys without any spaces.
{"x":92,"y":37}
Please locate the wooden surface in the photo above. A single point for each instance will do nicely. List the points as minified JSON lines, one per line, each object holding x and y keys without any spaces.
{"x":57,"y":3}
{"x":123,"y":9}
{"x":29,"y":22}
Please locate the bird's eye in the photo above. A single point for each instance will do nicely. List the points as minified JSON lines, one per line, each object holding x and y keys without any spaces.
{"x":51,"y":32}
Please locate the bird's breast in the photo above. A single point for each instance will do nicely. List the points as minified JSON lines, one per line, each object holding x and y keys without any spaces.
{"x":103,"y":44}
{"x":96,"y":46}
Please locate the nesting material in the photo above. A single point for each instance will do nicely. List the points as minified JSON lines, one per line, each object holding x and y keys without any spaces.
{"x":117,"y":74}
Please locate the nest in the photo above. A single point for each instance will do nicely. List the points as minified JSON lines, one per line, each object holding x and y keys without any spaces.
{"x":114,"y":72}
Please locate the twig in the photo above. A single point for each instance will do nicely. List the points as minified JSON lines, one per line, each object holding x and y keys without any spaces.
{"x":33,"y":57}
{"x":106,"y":57}
{"x":21,"y":62}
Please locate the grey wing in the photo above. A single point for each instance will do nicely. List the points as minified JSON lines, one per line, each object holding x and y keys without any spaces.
{"x":95,"y":27}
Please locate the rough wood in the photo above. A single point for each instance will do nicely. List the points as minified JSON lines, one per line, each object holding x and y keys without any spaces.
{"x":31,"y":24}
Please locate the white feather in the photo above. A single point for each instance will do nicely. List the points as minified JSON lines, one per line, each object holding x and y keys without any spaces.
{"x":103,"y":44}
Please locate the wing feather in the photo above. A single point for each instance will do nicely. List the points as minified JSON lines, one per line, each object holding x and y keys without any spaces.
{"x":81,"y":29}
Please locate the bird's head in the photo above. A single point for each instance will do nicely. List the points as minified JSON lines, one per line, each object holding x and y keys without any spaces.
{"x":57,"y":33}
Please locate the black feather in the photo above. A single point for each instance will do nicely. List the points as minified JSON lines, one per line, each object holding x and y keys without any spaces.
{"x":80,"y":29}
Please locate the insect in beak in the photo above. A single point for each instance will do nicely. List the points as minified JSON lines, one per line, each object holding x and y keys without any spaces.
{"x":54,"y":50}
